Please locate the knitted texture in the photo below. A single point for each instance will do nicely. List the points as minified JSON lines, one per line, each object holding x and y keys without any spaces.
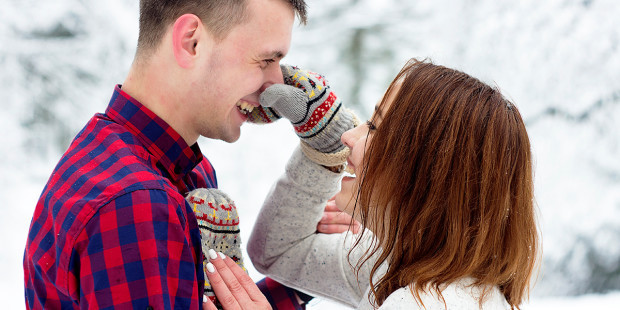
{"x":328,"y":159}
{"x":263,"y":115}
{"x":219,"y":227}
{"x":317,"y":114}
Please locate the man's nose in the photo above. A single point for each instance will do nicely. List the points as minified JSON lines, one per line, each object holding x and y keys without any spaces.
{"x":273,"y":75}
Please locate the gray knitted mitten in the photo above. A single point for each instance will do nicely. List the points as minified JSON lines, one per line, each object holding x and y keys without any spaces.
{"x":263,"y":115}
{"x":317,"y":114}
{"x":219,"y":227}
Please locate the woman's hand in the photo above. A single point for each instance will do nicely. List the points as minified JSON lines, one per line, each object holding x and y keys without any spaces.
{"x":232,"y":286}
{"x":308,"y":102}
{"x":335,"y":221}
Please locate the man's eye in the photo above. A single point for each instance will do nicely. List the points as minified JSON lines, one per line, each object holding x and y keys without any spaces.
{"x":266,"y":62}
{"x":371,"y":125}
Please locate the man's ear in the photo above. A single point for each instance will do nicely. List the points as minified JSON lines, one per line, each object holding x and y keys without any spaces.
{"x":185,"y":37}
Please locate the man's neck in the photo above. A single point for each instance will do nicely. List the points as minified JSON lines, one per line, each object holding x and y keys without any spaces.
{"x":156,"y":91}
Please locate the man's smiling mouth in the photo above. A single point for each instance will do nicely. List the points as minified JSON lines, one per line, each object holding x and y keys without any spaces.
{"x":244,"y":107}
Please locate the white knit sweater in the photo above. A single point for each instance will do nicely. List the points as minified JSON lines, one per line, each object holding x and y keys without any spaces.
{"x":285,"y":246}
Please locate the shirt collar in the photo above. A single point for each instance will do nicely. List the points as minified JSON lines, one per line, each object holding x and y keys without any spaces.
{"x":161,"y":140}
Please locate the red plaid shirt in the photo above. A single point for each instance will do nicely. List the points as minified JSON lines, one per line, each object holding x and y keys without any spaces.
{"x":112,"y":228}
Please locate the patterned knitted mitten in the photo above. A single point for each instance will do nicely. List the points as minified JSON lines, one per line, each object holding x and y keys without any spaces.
{"x":219,"y":227}
{"x":317,"y":114}
{"x":263,"y":115}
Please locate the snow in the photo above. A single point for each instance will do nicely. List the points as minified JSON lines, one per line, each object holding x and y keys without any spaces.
{"x":558,"y":61}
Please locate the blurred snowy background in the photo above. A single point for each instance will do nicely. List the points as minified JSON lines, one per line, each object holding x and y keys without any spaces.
{"x":558,"y":60}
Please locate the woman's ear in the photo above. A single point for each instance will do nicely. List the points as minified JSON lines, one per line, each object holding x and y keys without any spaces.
{"x":185,"y":38}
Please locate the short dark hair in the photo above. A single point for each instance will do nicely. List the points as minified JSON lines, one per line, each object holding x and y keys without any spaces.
{"x":220,"y":16}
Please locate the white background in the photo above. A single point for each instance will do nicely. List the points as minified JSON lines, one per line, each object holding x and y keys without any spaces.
{"x":558,"y":60}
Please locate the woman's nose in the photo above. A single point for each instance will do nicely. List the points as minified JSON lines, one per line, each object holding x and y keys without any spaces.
{"x":347,"y":138}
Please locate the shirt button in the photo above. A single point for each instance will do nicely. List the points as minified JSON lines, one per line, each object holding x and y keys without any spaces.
{"x":149,"y":308}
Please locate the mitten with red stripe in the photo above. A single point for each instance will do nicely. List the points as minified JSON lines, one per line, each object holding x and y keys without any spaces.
{"x":219,"y":227}
{"x":317,"y":114}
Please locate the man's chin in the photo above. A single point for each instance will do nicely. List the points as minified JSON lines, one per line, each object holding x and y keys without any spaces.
{"x":229,"y":137}
{"x":232,"y":138}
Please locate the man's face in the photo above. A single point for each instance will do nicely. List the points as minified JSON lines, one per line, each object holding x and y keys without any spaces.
{"x":239,"y":68}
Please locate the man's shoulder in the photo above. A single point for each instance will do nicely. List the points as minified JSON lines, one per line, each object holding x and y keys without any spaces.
{"x":104,"y":165}
{"x":109,"y":154}
{"x":103,"y":162}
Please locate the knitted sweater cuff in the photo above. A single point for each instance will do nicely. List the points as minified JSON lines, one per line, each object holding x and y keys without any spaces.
{"x":329,"y":159}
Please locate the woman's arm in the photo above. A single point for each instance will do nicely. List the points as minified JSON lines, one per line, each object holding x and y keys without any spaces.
{"x":285,"y":246}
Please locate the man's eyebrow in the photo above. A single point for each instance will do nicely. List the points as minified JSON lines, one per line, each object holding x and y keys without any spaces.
{"x":272,"y":54}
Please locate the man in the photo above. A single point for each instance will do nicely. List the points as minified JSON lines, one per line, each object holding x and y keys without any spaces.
{"x":112,"y":228}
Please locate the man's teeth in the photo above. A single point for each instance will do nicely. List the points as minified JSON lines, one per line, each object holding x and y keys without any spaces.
{"x":244,"y":107}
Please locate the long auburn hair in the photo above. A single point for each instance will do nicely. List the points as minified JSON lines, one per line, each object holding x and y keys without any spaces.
{"x":447,"y":187}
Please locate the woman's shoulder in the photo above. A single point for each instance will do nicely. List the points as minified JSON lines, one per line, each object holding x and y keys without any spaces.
{"x":457,"y":295}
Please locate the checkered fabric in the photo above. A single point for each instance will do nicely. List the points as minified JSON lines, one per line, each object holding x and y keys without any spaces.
{"x":281,"y":297}
{"x":112,"y":228}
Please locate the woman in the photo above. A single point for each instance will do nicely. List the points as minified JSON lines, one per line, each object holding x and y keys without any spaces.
{"x":442,"y":185}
